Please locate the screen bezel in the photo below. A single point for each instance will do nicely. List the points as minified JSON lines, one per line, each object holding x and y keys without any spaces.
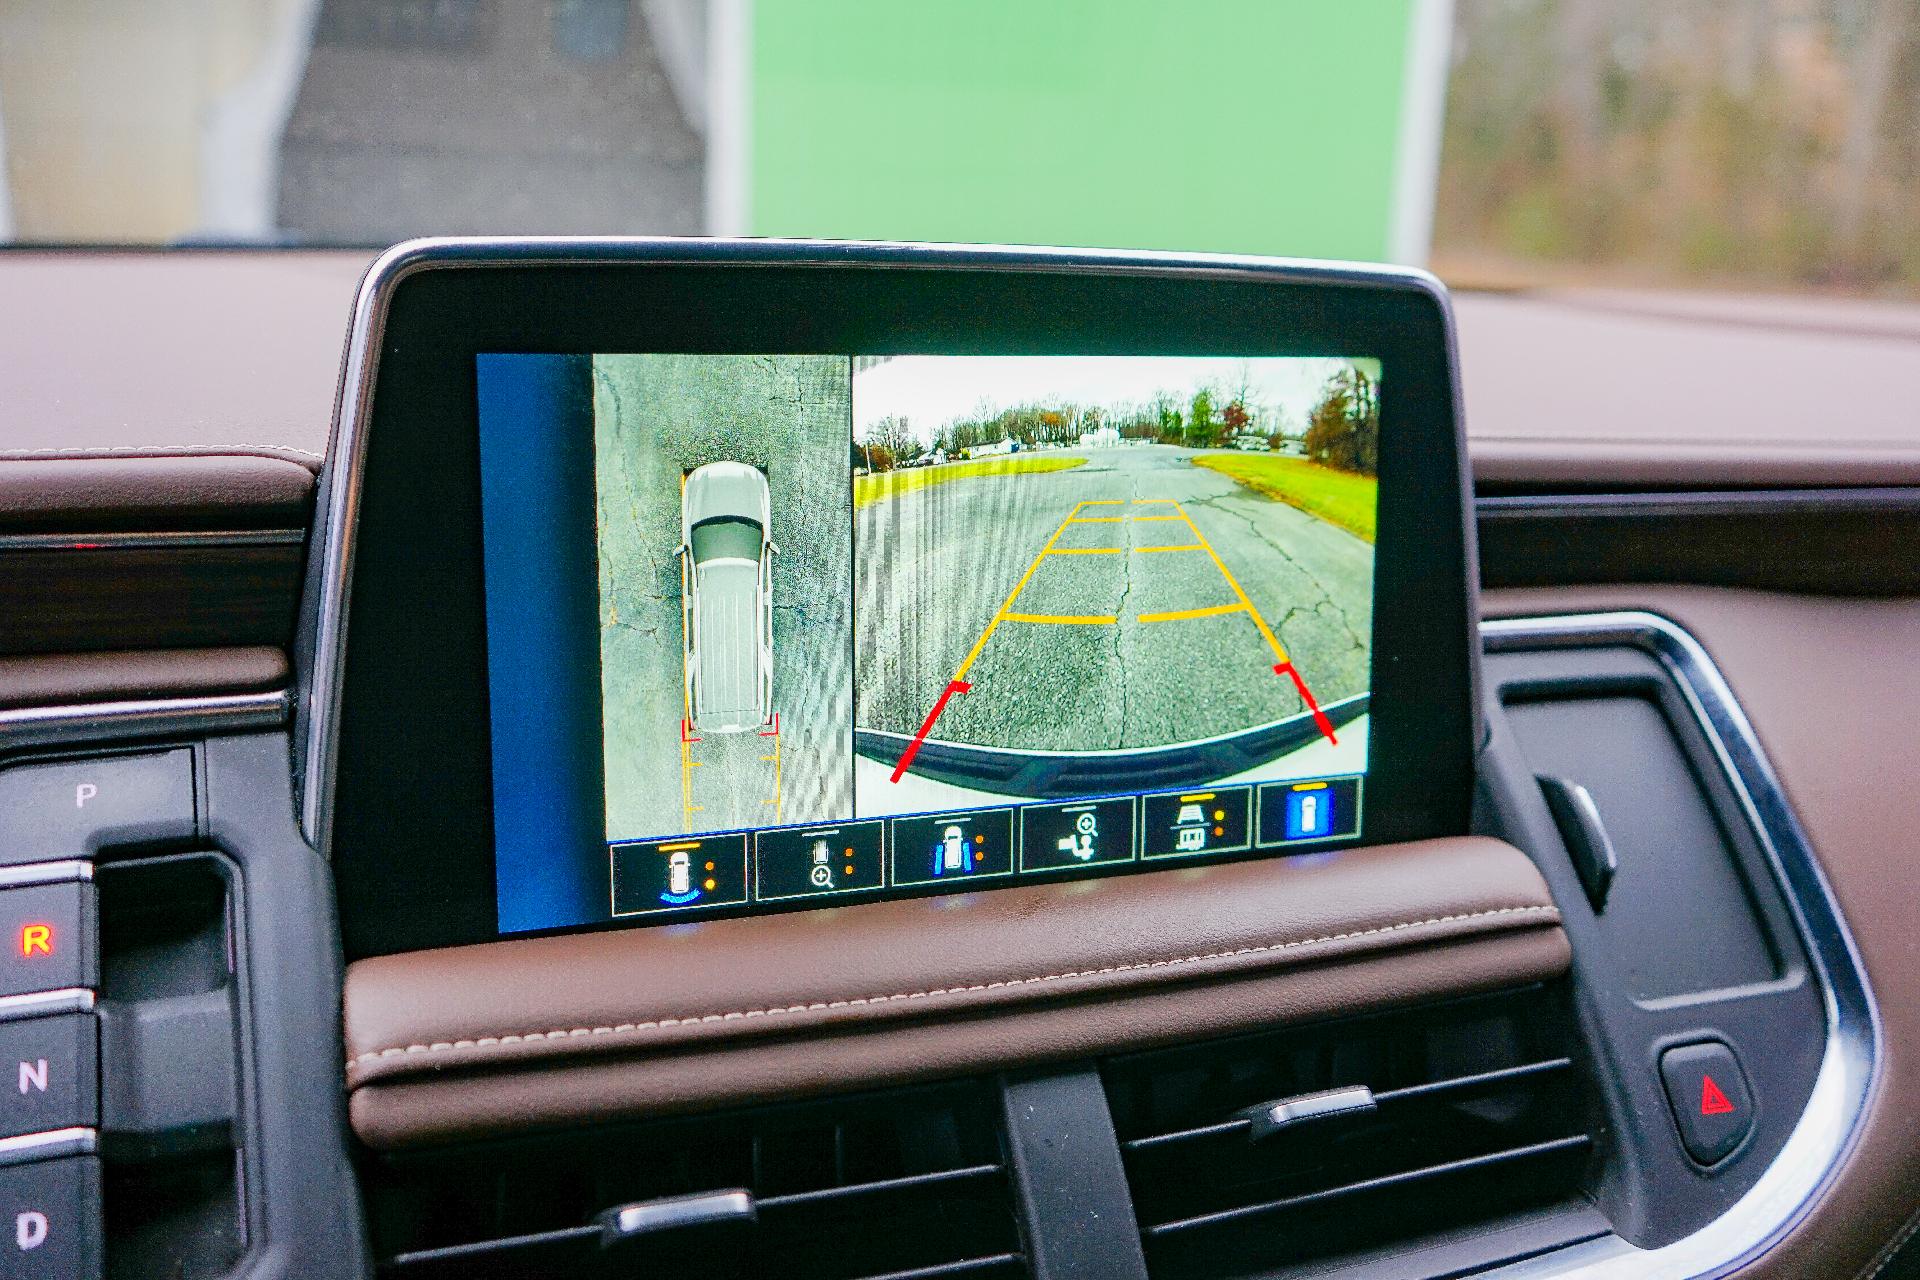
{"x":400,"y":716}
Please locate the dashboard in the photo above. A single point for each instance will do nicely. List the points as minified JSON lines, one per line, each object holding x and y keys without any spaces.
{"x":880,"y":761}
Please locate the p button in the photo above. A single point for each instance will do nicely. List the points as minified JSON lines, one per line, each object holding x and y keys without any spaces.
{"x":74,"y":808}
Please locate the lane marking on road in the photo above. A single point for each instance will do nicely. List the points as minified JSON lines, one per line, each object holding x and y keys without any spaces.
{"x":777,"y":801}
{"x":1085,"y":551}
{"x":1117,"y":519}
{"x":1266,"y":632}
{"x":1284,"y":667}
{"x":1179,"y":615}
{"x":687,"y":765}
{"x":1183,"y":546}
{"x":1063,"y":619}
{"x":1000,"y":614}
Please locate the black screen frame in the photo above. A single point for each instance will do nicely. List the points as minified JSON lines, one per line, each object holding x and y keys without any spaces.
{"x":394,"y":734}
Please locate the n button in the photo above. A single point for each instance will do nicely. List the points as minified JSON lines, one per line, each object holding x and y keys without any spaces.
{"x":1711,"y":1103}
{"x":48,"y":1071}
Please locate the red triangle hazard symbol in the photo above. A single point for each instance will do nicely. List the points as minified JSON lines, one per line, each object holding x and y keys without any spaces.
{"x":1712,"y":1101}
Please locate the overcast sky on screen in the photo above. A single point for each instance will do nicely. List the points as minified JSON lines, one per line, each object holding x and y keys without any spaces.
{"x":932,"y":391}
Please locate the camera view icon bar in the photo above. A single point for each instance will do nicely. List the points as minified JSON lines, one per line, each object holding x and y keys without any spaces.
{"x":1191,"y":824}
{"x":953,"y":848}
{"x":1081,"y":833}
{"x":685,"y":874}
{"x":817,"y":861}
{"x":1310,"y":809}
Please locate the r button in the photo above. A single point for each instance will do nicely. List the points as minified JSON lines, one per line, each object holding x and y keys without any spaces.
{"x":1709,"y":1096}
{"x":46,"y":937}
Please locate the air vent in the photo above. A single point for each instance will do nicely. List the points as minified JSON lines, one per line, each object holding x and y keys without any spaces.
{"x":1454,"y":1136}
{"x":895,"y":1185}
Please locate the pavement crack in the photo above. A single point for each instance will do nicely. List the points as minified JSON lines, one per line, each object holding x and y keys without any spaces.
{"x":1326,"y":600}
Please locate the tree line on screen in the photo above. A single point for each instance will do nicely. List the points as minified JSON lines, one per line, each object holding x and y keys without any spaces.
{"x":1342,"y":429}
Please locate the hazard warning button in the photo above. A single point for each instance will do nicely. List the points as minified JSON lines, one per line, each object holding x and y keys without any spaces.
{"x":1711,"y":1103}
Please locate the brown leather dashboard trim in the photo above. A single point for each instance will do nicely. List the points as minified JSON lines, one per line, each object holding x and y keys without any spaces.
{"x":69,"y":679}
{"x":1828,"y":685}
{"x":131,"y":549}
{"x":510,"y":1035}
{"x":145,"y":491}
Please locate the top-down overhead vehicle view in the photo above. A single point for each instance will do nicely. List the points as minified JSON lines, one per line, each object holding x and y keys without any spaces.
{"x":725,"y":601}
{"x":858,"y":641}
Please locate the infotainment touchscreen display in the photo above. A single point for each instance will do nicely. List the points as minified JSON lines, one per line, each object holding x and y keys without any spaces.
{"x":685,"y":584}
{"x":910,"y":623}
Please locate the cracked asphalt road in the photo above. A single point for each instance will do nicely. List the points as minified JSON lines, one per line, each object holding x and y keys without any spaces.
{"x":935,"y":565}
{"x":656,"y":417}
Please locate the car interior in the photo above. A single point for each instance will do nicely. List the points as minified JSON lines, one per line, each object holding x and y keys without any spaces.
{"x":540,"y":545}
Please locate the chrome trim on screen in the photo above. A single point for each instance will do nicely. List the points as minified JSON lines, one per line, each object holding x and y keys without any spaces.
{"x":1830,"y":1123}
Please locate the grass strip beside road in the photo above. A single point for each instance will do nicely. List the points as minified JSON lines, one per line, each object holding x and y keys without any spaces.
{"x":1338,"y":497}
{"x":881,"y":485}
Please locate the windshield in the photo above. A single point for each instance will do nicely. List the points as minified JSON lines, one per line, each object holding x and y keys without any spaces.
{"x":726,"y":538}
{"x":1752,"y":144}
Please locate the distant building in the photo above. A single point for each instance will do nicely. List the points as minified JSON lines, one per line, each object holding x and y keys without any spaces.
{"x":1100,"y":438}
{"x":989,"y":450}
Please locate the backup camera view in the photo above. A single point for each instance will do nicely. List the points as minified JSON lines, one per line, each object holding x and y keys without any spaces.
{"x":899,"y":621}
{"x":1109,"y":574}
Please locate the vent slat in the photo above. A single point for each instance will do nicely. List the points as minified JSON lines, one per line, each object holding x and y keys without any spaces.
{"x":1478,"y":1123}
{"x":906,"y":1184}
{"x":1383,"y":1183}
{"x":1461,"y":1084}
{"x":1011,"y":1262}
{"x":423,"y":1258}
{"x":911,"y":1182}
{"x":1436,"y":1088}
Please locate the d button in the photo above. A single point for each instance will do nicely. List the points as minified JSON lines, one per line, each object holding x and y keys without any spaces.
{"x":50,"y":1219}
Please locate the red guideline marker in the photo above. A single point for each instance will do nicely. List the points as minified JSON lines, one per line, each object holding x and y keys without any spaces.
{"x":774,"y":732}
{"x":686,"y":731}
{"x":1306,"y":696}
{"x":926,"y":726}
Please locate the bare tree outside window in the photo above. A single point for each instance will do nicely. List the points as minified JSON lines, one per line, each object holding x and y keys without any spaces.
{"x":1747,"y":143}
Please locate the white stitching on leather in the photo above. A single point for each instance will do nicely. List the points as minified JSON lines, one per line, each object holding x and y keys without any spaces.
{"x":1882,"y":1260}
{"x":223,"y":450}
{"x":660,"y":1024}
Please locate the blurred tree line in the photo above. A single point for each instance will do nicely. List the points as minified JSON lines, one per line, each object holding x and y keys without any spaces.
{"x":1752,"y":142}
{"x":1210,"y":419}
{"x":1343,"y":429}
